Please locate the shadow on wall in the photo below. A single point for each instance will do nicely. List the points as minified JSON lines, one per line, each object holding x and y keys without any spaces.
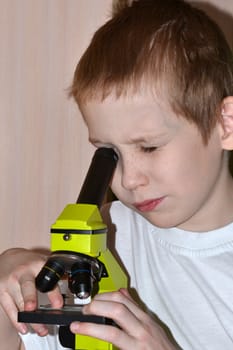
{"x":223,"y":18}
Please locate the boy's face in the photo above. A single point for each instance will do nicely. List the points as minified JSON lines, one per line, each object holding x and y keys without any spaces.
{"x":164,"y":172}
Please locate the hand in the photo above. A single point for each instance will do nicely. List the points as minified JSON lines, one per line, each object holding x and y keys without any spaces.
{"x":19,"y":268}
{"x":137,"y":329}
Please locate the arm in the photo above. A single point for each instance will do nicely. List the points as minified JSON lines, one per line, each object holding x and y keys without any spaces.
{"x":17,"y":293}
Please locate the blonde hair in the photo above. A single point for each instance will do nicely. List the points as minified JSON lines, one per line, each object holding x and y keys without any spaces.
{"x":168,"y":46}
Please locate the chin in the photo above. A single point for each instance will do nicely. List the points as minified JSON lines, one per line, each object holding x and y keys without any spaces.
{"x":160,"y":220}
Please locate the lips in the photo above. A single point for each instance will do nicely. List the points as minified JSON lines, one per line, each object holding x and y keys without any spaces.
{"x":148,"y":205}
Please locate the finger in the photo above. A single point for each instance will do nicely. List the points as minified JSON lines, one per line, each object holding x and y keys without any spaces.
{"x":28,"y":292}
{"x":109,"y":334}
{"x":30,"y":301}
{"x":14,"y":294}
{"x":125,"y":292}
{"x":40,"y":329}
{"x":56,"y":301}
{"x":11,"y":311}
{"x":56,"y":298}
{"x":121,"y":297}
{"x":117,"y":311}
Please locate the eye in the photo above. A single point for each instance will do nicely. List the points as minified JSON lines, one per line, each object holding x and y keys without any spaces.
{"x":148,"y":149}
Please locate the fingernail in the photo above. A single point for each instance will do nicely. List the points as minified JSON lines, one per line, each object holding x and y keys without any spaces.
{"x":23,"y":329}
{"x":30,"y":305}
{"x":74,"y":327}
{"x":42,"y":331}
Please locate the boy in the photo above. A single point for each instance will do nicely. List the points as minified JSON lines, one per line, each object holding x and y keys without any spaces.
{"x":155,"y":85}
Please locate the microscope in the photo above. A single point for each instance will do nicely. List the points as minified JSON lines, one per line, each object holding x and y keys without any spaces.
{"x":79,"y":255}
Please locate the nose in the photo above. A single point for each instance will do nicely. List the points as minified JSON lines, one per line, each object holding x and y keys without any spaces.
{"x":133,"y":174}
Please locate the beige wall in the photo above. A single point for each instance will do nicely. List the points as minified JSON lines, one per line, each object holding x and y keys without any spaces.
{"x":222,"y":12}
{"x":44,"y":153}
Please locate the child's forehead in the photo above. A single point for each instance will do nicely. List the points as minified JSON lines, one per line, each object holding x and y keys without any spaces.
{"x":129,"y":99}
{"x":142,"y":110}
{"x":130,"y":121}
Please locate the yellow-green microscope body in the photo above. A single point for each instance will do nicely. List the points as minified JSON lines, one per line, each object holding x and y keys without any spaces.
{"x":80,"y":228}
{"x":79,"y":253}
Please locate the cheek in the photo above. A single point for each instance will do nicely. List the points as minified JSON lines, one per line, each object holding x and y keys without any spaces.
{"x":193,"y":169}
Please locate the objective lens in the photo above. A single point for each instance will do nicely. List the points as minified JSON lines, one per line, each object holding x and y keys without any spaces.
{"x":81,"y":279}
{"x":49,"y":275}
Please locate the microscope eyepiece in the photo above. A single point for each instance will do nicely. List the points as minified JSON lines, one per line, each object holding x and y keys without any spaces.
{"x":98,"y":176}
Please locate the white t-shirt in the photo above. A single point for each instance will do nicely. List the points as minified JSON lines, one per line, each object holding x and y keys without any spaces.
{"x":51,"y":342}
{"x":185,"y":278}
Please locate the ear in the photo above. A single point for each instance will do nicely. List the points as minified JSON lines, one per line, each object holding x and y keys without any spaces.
{"x":226,"y":123}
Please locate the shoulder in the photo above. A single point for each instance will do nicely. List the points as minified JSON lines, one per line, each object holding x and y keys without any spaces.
{"x":123,"y":222}
{"x":116,"y":213}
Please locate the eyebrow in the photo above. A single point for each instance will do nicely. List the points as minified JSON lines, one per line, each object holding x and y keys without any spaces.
{"x":145,"y":138}
{"x":132,"y":140}
{"x":96,"y":142}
